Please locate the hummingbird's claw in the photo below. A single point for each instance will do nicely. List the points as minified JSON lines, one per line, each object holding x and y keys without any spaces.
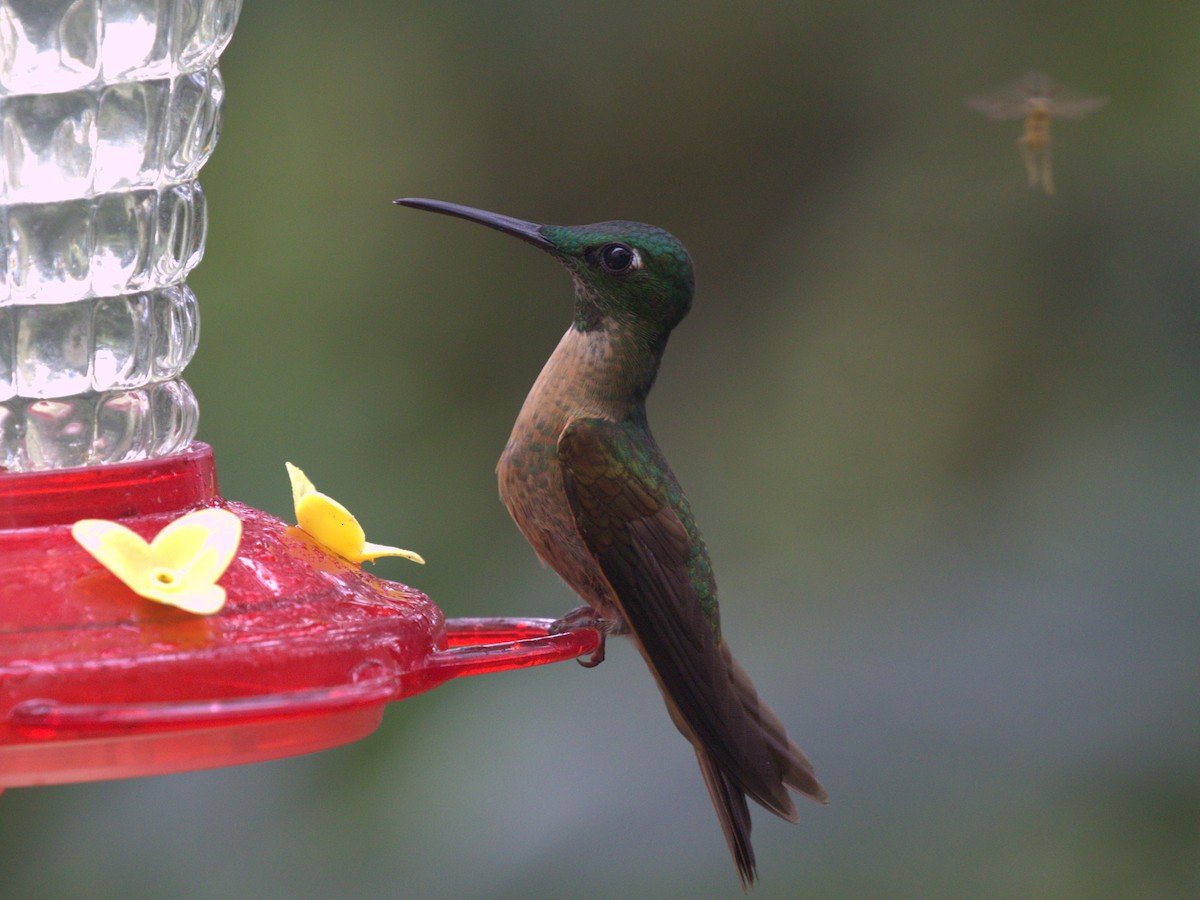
{"x":597,"y":657}
{"x":584,"y":617}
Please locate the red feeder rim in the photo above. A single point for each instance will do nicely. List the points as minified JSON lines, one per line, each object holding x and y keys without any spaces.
{"x":96,"y":682}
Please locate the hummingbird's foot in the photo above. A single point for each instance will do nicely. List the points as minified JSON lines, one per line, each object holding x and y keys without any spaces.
{"x":584,"y":617}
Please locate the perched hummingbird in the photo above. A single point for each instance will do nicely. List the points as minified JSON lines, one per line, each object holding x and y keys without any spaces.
{"x":585,"y":481}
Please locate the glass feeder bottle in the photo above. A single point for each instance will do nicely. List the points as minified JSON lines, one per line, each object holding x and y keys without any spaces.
{"x":108,"y":109}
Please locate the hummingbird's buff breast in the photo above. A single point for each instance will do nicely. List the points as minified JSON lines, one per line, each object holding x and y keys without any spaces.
{"x":530,"y":479}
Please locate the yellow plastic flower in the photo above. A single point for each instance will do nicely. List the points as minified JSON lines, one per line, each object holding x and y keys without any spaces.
{"x":331,"y":524}
{"x":179,"y":567}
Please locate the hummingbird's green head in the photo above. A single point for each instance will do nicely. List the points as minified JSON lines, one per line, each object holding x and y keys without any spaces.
{"x":626,"y":274}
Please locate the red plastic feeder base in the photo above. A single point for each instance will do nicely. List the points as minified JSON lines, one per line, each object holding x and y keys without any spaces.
{"x":96,"y":682}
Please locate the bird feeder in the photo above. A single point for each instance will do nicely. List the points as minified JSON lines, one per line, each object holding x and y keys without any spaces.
{"x":108,"y":111}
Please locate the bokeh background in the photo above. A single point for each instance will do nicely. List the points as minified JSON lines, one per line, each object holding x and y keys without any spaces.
{"x":939,"y":429}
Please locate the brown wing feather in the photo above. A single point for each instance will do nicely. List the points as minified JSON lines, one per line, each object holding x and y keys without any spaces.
{"x":643,"y":549}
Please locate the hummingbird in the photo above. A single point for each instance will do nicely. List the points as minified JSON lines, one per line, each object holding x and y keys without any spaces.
{"x":589,"y":488}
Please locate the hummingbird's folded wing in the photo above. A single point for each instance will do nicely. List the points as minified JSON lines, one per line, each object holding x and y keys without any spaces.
{"x":625,"y":501}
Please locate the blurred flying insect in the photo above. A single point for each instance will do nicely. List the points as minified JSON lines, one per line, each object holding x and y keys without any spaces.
{"x":1037,"y":99}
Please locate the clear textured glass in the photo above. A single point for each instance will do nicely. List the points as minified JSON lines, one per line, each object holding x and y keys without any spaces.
{"x":52,"y":46}
{"x":107,"y":137}
{"x":108,"y":110}
{"x":126,"y":341}
{"x":109,"y":244}
{"x":93,"y":428}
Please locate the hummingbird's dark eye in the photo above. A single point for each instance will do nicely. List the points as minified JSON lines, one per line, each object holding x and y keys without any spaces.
{"x":618,"y":258}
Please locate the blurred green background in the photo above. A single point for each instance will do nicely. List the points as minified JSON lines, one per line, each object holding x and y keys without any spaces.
{"x":940,"y":431}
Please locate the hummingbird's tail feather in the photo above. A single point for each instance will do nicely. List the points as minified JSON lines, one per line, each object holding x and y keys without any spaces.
{"x":734,"y":815}
{"x":795,"y":770}
{"x":785,"y":765}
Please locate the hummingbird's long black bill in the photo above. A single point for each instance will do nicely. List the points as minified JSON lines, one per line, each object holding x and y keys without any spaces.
{"x":526,"y":231}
